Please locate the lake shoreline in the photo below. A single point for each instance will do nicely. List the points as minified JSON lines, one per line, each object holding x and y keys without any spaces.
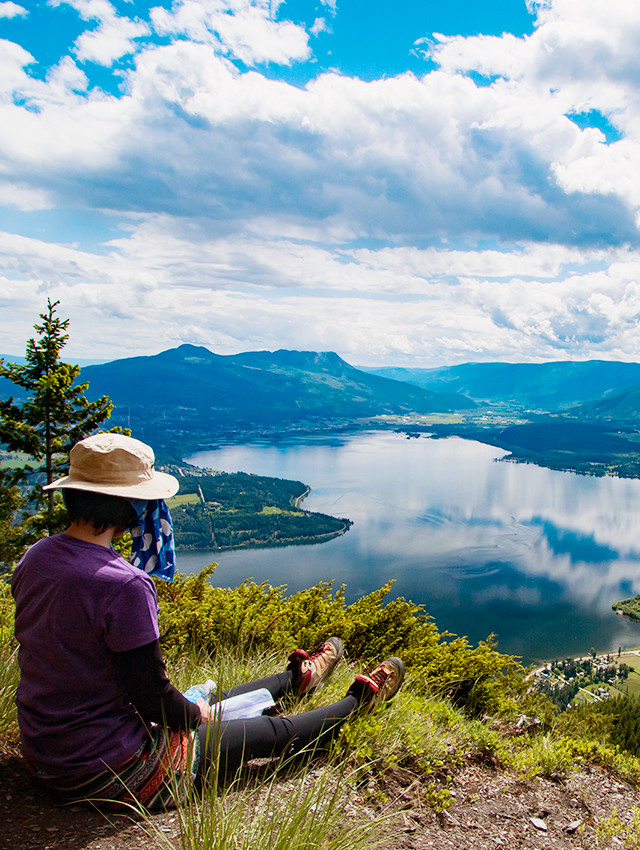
{"x":537,"y":555}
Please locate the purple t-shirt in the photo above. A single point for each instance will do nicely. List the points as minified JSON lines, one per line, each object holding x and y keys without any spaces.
{"x":77,"y":603}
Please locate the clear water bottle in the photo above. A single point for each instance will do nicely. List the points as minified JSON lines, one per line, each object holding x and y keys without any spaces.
{"x":205,"y":691}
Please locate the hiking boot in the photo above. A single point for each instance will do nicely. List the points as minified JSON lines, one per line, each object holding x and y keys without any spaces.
{"x":311,"y":670}
{"x":380,"y":685}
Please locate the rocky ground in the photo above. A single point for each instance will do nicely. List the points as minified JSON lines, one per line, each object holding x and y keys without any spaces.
{"x":490,"y":808}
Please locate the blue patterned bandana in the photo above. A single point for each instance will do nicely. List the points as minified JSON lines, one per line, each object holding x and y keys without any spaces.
{"x":152,"y":549}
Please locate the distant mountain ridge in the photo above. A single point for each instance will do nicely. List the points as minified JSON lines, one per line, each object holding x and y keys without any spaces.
{"x":190,"y":394}
{"x":552,"y":386}
{"x":623,"y":407}
{"x":190,"y":388}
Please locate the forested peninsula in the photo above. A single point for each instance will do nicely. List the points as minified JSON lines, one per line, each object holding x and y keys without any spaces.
{"x":223,"y":510}
{"x":628,"y":607}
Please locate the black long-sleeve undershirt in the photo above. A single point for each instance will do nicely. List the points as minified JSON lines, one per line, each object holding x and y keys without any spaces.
{"x":146,"y":682}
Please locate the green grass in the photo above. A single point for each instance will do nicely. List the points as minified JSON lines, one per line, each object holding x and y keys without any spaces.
{"x":14,"y":460}
{"x":422,"y":737}
{"x":302,"y":804}
{"x":631,"y":685}
{"x":630,"y":659}
{"x":629,"y":688}
{"x":9,"y":678}
{"x":292,"y":808}
{"x":616,"y":832}
{"x":183,"y":499}
{"x":318,"y":804}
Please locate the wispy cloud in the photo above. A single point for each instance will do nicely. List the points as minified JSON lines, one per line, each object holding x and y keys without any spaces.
{"x":410,"y":305}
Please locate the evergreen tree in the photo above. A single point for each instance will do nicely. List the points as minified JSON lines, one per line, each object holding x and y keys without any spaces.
{"x":54,"y":416}
{"x":11,"y":500}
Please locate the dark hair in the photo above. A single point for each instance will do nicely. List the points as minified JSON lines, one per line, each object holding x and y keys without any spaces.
{"x":99,"y":509}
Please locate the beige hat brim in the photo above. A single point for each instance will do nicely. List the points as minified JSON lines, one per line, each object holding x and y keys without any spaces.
{"x":160,"y":486}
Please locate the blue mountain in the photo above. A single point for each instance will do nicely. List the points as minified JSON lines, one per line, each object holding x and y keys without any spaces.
{"x":552,"y":386}
{"x":256,"y":387}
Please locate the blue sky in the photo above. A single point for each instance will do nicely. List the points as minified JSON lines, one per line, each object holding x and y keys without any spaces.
{"x":416,"y":183}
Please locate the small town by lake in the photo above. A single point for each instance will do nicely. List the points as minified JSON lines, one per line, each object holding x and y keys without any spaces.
{"x":533,"y":555}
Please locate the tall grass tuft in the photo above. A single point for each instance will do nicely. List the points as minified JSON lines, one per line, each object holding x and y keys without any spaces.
{"x":290,"y":804}
{"x":9,"y":677}
{"x":290,"y":809}
{"x":9,"y":673}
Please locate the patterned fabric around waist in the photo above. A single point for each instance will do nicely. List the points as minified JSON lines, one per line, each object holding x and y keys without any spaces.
{"x":156,"y":776}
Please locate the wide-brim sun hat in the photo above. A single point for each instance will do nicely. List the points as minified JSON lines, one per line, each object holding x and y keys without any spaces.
{"x":116,"y":466}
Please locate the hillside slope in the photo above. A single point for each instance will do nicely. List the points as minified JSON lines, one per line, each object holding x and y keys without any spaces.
{"x":622,"y":407}
{"x":535,"y":386}
{"x":190,"y":390}
{"x":260,"y":384}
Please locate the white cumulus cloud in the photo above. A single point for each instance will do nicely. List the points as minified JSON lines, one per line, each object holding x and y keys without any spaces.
{"x":13,"y":60}
{"x":242,"y":29}
{"x":12,"y":10}
{"x":113,"y":37}
{"x":581,"y":57}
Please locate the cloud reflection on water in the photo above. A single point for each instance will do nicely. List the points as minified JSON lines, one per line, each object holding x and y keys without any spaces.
{"x":486,"y":546}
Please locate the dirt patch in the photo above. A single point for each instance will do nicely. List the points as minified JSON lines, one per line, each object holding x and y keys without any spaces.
{"x":493,"y":808}
{"x":489,"y":808}
{"x":30,"y":820}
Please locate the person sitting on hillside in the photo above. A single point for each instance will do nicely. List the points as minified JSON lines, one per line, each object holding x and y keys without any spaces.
{"x":99,"y":718}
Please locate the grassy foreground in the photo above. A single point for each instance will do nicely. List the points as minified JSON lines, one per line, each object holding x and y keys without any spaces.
{"x":459,"y":704}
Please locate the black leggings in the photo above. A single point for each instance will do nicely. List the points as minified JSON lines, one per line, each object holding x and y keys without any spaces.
{"x":238,"y":741}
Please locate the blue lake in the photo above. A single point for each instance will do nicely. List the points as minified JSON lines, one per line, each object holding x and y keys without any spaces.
{"x":533,"y":555}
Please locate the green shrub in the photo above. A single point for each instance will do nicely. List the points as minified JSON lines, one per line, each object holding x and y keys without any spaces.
{"x":543,"y":755}
{"x":7,"y":608}
{"x":615,"y":832}
{"x":615,"y":721}
{"x":194,"y":615}
{"x":557,"y":755}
